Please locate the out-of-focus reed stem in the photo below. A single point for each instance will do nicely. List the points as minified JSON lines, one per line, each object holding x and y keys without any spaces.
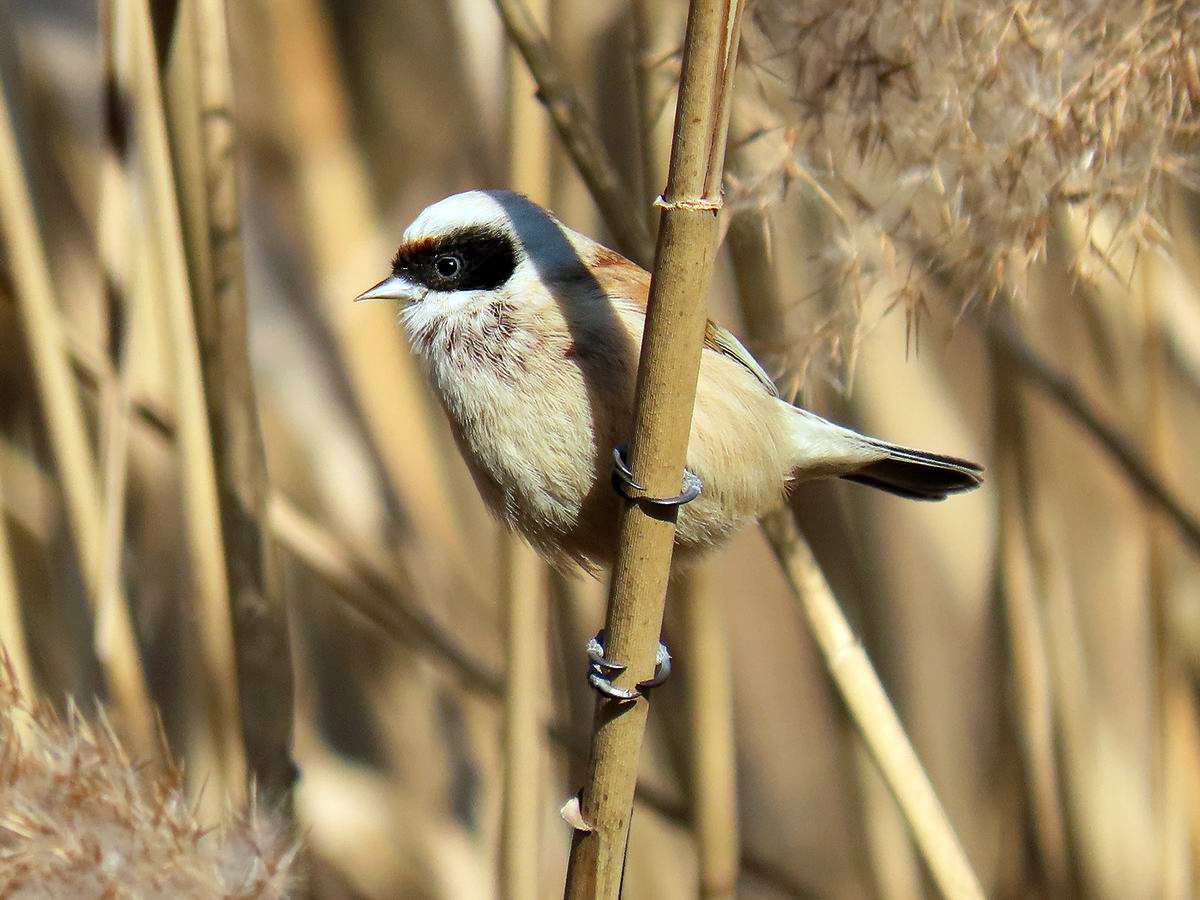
{"x":338,"y":205}
{"x":574,"y":127}
{"x":116,"y":645}
{"x":872,"y":711}
{"x":655,"y":83}
{"x":1174,"y":706}
{"x":666,"y":386}
{"x":210,"y":200}
{"x":205,"y":542}
{"x":12,"y":626}
{"x":1067,"y":394}
{"x":1031,"y":670}
{"x":119,"y":258}
{"x":522,"y":573}
{"x":523,"y":578}
{"x":888,"y":850}
{"x":709,"y":682}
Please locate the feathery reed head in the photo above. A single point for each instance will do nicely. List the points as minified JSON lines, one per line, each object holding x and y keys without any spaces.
{"x":78,"y":818}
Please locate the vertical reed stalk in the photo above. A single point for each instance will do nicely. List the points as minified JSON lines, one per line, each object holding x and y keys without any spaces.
{"x":523,"y":585}
{"x":654,"y":80}
{"x":206,"y":545}
{"x":1173,"y":693}
{"x":709,"y":686}
{"x":259,"y":609}
{"x":575,"y":129}
{"x":712,"y":733}
{"x":1027,"y":640}
{"x":666,"y":385}
{"x":337,"y":206}
{"x":116,"y":645}
{"x":12,"y":625}
{"x":524,"y":687}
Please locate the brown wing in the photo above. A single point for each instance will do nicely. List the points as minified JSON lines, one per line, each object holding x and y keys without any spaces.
{"x":628,"y":281}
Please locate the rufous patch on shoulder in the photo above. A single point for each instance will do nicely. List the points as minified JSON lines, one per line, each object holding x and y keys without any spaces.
{"x":605,"y":257}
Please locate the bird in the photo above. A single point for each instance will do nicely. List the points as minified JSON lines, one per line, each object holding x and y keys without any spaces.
{"x":530,"y":333}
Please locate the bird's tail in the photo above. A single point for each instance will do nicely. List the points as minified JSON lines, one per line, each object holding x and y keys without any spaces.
{"x":916,"y":474}
{"x":823,"y":449}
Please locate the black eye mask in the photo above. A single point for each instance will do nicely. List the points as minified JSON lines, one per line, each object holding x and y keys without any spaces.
{"x":476,"y":258}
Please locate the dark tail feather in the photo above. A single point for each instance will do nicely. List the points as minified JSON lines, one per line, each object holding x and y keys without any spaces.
{"x":918,"y":475}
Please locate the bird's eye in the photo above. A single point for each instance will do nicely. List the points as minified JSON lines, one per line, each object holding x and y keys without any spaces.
{"x":448,"y":266}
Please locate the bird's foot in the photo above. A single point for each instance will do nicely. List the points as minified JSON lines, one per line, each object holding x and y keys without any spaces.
{"x":602,"y":670}
{"x":625,"y":484}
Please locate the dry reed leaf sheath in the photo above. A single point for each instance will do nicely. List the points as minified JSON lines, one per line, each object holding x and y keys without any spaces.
{"x":666,"y":386}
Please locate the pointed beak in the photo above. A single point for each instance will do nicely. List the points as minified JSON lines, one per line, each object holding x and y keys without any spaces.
{"x":391,"y":288}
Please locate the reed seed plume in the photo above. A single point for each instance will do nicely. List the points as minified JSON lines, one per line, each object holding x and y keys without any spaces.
{"x":970,"y":126}
{"x":78,"y":818}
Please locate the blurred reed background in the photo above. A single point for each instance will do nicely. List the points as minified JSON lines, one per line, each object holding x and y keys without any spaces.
{"x":970,"y":227}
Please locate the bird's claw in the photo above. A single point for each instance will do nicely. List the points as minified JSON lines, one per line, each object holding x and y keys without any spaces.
{"x":601,"y":671}
{"x":627,"y":486}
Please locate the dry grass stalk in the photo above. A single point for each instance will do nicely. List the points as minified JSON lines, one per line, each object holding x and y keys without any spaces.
{"x":712,"y":756}
{"x":260,"y":618}
{"x":116,"y":646}
{"x":873,"y":713}
{"x":666,"y":384}
{"x":78,"y":818}
{"x":205,"y":541}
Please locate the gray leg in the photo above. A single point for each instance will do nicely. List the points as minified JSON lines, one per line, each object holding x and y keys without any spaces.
{"x":625,"y":485}
{"x":601,"y":671}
